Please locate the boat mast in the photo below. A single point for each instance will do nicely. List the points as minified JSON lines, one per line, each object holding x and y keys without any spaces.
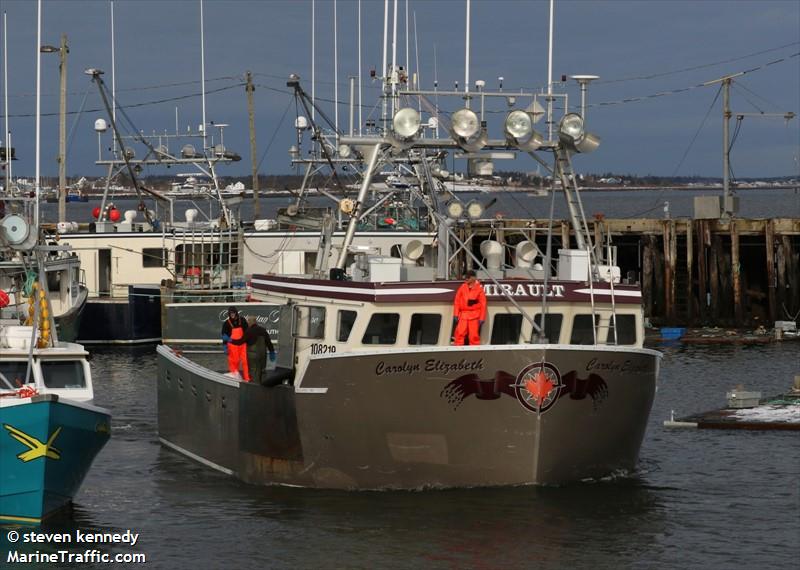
{"x":359,"y":67}
{"x":393,"y":74}
{"x":335,"y":71}
{"x":114,"y":77}
{"x":313,"y":58}
{"x":38,"y":110}
{"x":383,"y":62}
{"x":466,"y":61}
{"x":6,"y":135}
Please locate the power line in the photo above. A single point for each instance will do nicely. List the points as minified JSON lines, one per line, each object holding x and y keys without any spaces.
{"x":135,"y":105}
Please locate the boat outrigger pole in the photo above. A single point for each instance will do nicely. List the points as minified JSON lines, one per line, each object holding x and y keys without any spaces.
{"x":96,"y":73}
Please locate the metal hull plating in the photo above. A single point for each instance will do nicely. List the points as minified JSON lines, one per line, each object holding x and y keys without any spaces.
{"x":68,"y":324}
{"x":481,"y":416}
{"x":129,"y":320}
{"x":46,"y":448}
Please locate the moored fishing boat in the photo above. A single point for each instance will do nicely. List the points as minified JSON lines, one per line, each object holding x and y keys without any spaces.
{"x":50,"y":432}
{"x":370,"y":393}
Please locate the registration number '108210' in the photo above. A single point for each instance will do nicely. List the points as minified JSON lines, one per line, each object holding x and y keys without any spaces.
{"x":318,"y":348}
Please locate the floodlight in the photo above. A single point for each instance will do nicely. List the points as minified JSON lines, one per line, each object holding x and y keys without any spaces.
{"x":345,"y":151}
{"x":406,"y":123}
{"x":454,"y":209}
{"x":467,"y":130}
{"x":474,"y":209}
{"x":572,"y":134}
{"x":465,"y":123}
{"x":519,"y":131}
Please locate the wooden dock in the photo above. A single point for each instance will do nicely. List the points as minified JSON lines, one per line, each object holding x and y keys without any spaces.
{"x":731,"y":273}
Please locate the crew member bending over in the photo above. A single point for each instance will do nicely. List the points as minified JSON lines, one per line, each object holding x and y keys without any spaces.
{"x":232,"y":334}
{"x":469,"y":310}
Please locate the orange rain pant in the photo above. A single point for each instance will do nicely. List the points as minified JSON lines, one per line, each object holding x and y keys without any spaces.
{"x":237,"y":355}
{"x":464,"y":326}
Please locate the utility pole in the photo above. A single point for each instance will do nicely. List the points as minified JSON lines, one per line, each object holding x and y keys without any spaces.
{"x":62,"y":132}
{"x":251,"y":114}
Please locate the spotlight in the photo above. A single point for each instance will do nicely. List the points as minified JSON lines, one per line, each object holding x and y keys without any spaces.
{"x":474,"y":209}
{"x":454,"y":209}
{"x":572,"y":134}
{"x":467,"y":131}
{"x":465,"y":123}
{"x":406,"y":124}
{"x":519,"y":131}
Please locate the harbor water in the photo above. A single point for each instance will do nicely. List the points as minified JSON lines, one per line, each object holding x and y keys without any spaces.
{"x":699,"y":498}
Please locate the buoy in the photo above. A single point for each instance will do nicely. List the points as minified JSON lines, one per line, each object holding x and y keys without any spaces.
{"x":4,"y":300}
{"x":96,"y":212}
{"x":114,"y":215}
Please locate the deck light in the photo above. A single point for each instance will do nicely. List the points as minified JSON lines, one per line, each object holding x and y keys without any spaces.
{"x":474,"y":209}
{"x":573,"y":135}
{"x":454,"y":209}
{"x":406,"y":124}
{"x":519,"y":131}
{"x":467,"y":131}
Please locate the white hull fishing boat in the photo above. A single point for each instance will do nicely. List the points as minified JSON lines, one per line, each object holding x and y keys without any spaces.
{"x":369,"y":391}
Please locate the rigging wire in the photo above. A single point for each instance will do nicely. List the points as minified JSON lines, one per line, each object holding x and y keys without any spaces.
{"x":657,"y":203}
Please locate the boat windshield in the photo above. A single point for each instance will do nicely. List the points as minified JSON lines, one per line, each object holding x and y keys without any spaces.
{"x":63,"y":374}
{"x":12,"y":374}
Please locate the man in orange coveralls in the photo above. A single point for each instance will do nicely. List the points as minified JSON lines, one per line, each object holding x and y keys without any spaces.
{"x":469,"y":310}
{"x":233,"y":330}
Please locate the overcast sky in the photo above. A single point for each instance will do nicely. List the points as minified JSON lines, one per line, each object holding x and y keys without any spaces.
{"x":640,"y":48}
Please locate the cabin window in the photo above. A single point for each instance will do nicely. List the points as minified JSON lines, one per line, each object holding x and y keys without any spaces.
{"x":424,"y":329}
{"x":583,"y":329}
{"x":311,"y":322}
{"x":626,"y":330}
{"x":506,"y":329}
{"x":552,"y":325}
{"x":63,"y":374}
{"x":346,"y":321}
{"x":54,"y":281}
{"x":382,"y":329}
{"x":154,"y":257}
{"x":12,"y":374}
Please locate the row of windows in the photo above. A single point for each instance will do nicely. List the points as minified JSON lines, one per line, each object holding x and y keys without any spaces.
{"x":425,"y":327}
{"x":56,"y":374}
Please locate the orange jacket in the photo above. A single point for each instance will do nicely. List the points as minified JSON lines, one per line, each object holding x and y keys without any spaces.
{"x":464,"y":309}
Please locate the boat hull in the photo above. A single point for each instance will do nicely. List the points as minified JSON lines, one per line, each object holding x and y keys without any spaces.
{"x":69,"y":323}
{"x":135,"y":319}
{"x":41,"y":477}
{"x":482,"y":416}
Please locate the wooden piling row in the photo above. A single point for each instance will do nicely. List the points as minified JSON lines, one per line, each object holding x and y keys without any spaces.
{"x":728,"y":280}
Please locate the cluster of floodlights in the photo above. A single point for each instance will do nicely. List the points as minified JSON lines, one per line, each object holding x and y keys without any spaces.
{"x":456,"y":209}
{"x":467,"y":131}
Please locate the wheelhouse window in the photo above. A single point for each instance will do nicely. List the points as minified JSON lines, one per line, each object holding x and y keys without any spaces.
{"x":311,"y":322}
{"x":154,"y":257}
{"x":424,"y":329}
{"x":12,"y":374}
{"x":506,"y":329}
{"x":552,"y":325}
{"x":382,"y":329}
{"x":626,"y":330}
{"x":345,"y":326}
{"x":63,"y":374}
{"x":583,"y":329}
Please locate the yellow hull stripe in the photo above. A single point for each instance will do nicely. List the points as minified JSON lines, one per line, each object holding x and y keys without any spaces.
{"x":20,"y":519}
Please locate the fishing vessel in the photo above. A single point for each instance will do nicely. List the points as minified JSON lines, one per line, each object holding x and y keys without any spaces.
{"x":371,"y":392}
{"x":50,"y":431}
